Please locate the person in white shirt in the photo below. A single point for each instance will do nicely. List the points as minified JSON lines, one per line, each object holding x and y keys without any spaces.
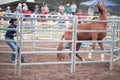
{"x":25,"y":7}
{"x":91,"y":11}
{"x":45,"y":9}
{"x":61,"y":9}
{"x":73,"y":8}
{"x":19,"y":8}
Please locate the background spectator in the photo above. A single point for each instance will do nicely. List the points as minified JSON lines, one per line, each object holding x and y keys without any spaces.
{"x":67,"y":8}
{"x":91,"y":11}
{"x":24,"y":7}
{"x":42,"y":9}
{"x":45,"y":9}
{"x":19,"y":8}
{"x":36,"y":9}
{"x":61,"y":9}
{"x":8,"y":12}
{"x":17,"y":12}
{"x":73,"y":8}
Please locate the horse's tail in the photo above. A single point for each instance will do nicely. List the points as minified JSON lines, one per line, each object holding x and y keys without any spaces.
{"x":60,"y":56}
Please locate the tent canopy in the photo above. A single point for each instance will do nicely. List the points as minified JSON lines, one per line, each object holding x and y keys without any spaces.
{"x":93,"y":3}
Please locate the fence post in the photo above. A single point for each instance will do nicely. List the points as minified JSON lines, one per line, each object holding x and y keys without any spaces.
{"x":33,"y":38}
{"x":21,"y":33}
{"x":73,"y":57}
{"x":119,"y":44}
{"x":112,"y":45}
{"x":17,"y":45}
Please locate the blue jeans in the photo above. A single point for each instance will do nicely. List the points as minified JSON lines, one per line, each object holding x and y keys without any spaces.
{"x":13,"y":46}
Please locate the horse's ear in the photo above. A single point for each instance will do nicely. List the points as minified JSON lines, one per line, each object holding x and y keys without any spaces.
{"x":97,"y":3}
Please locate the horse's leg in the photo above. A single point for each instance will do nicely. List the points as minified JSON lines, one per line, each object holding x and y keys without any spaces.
{"x":77,"y":48}
{"x":94,"y":37}
{"x":59,"y":55}
{"x":102,"y":48}
{"x":93,"y":47}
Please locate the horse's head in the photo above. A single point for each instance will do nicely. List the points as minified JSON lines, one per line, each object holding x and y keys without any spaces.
{"x":101,"y":7}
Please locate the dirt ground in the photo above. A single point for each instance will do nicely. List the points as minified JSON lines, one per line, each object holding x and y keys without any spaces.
{"x":97,"y":71}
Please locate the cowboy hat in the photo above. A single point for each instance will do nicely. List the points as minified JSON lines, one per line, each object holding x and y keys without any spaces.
{"x":12,"y":20}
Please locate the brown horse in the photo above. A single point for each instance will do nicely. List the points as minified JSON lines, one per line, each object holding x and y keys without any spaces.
{"x":86,"y":35}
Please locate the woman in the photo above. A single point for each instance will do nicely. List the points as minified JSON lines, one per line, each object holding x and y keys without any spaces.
{"x":10,"y":34}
